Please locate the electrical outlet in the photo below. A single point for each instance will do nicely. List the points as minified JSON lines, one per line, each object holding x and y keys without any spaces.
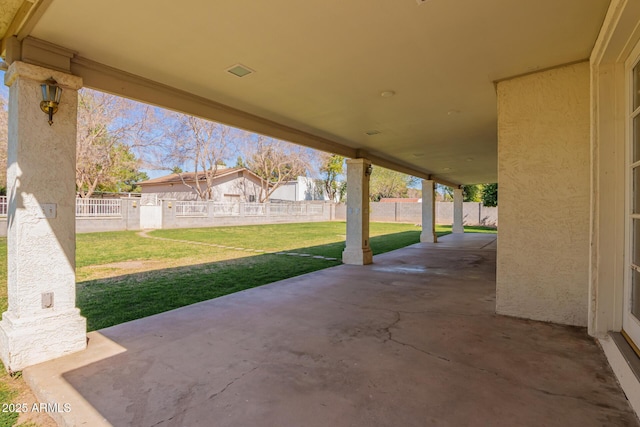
{"x":47,"y":300}
{"x":48,"y":210}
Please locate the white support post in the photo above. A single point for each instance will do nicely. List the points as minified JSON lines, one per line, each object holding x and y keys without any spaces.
{"x":357,"y":250}
{"x":428,"y":212}
{"x":457,"y":211}
{"x":42,"y":321}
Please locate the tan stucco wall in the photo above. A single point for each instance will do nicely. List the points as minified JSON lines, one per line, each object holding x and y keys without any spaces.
{"x":543,"y":173}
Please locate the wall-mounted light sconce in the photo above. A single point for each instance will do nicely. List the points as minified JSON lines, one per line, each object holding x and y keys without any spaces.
{"x":369,"y":170}
{"x":51,"y":94}
{"x":169,"y":205}
{"x":135,"y":204}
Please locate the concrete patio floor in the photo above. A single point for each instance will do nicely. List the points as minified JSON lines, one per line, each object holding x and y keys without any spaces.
{"x":411,"y":340}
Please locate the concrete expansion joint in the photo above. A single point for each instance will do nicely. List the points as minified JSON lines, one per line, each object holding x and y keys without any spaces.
{"x":144,"y":234}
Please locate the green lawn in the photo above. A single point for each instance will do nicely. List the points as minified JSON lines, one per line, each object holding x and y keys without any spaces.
{"x":192,"y":273}
{"x":122,"y":276}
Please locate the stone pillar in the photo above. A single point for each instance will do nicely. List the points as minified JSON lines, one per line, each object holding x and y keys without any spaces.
{"x":428,"y":212}
{"x":457,"y":211}
{"x":42,"y":321}
{"x":357,"y":250}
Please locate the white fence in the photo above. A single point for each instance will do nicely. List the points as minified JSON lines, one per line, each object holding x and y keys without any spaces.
{"x":247,"y":209}
{"x":93,"y":208}
{"x":134,"y":214}
{"x":254,"y":209}
{"x":285,"y":209}
{"x":225,"y":209}
{"x":192,"y":208}
{"x":98,"y":208}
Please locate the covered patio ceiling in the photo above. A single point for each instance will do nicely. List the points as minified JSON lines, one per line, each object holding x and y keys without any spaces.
{"x":323,"y":70}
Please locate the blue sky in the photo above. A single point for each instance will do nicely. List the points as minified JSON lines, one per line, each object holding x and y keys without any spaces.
{"x":4,"y":90}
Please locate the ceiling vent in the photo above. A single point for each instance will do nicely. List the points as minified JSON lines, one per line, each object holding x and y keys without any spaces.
{"x":240,"y":70}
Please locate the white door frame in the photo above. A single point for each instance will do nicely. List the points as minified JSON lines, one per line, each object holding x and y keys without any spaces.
{"x":630,"y":323}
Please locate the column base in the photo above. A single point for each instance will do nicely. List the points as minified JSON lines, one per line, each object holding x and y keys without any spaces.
{"x":27,"y":341}
{"x":457,"y":229}
{"x":428,"y":237}
{"x":357,"y":256}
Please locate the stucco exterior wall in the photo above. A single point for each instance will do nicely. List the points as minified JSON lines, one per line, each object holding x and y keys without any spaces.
{"x":287,"y":191}
{"x":303,"y":188}
{"x":543,"y":171}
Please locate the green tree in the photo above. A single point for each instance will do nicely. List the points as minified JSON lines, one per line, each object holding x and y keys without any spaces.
{"x":472,"y":193}
{"x":240,"y":162}
{"x":342,"y":191}
{"x":126,"y":174}
{"x":331,"y":168}
{"x":447,"y":192}
{"x":490,"y":195}
{"x":388,"y":183}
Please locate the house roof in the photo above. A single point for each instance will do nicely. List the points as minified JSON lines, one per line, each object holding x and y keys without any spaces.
{"x":175,"y":178}
{"x":409,"y":84}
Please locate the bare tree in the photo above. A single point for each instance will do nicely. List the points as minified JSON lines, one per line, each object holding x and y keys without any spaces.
{"x":275,"y":162}
{"x":108,"y":128}
{"x":195,"y":143}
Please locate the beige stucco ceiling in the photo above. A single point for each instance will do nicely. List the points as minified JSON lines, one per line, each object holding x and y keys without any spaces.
{"x":321,"y":66}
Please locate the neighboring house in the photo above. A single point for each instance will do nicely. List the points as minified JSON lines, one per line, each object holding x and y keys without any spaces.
{"x":302,"y":188}
{"x":233,"y":185}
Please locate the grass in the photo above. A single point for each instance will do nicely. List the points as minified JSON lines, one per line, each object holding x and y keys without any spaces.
{"x":192,"y":273}
{"x":8,"y":393}
{"x":108,"y":263}
{"x":122,"y":276}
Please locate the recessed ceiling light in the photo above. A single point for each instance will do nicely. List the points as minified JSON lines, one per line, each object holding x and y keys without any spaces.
{"x":387,"y":94}
{"x":418,"y":154}
{"x":240,"y":70}
{"x":421,"y":1}
{"x":372,"y":132}
{"x":446,"y":169}
{"x":453,"y":112}
{"x":469,"y":159}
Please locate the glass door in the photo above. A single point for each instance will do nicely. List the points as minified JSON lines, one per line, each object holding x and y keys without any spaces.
{"x":631,"y":319}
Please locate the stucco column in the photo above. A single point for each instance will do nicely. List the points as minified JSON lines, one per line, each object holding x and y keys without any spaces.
{"x":457,"y":211}
{"x":428,"y":212}
{"x":357,"y":250}
{"x":42,"y":321}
